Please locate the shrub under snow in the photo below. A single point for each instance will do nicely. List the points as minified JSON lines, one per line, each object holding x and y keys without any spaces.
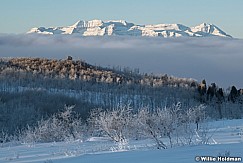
{"x":179,"y":126}
{"x":63,"y":126}
{"x":168,"y":127}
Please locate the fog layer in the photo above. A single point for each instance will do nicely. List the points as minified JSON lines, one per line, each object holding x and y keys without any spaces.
{"x":217,"y":60}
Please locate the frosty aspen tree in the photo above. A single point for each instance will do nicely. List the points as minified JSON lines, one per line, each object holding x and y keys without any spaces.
{"x":113,"y":123}
{"x":149,"y":123}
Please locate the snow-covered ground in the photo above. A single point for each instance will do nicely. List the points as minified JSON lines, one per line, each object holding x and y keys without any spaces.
{"x":226,"y":139}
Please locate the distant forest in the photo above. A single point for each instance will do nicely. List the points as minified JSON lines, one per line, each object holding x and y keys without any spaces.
{"x":32,"y":89}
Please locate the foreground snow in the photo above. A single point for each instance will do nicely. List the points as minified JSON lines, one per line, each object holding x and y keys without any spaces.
{"x":183,"y":155}
{"x":227,"y":139}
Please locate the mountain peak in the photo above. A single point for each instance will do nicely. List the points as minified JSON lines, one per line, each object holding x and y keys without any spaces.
{"x":210,"y":30}
{"x":123,"y":28}
{"x":204,"y":24}
{"x":87,"y":24}
{"x":77,"y":23}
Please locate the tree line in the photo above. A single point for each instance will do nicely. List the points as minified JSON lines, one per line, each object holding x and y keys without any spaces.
{"x":32,"y":89}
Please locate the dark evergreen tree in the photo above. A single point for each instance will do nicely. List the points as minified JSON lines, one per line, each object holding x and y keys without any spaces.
{"x":233,"y":94}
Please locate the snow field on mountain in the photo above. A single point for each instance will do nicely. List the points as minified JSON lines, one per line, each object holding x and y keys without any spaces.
{"x":123,"y":28}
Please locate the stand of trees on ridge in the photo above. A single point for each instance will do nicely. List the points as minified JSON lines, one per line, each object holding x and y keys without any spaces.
{"x":32,"y":89}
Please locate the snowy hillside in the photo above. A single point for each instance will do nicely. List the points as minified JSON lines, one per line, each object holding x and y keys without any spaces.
{"x":225,"y":137}
{"x":123,"y":28}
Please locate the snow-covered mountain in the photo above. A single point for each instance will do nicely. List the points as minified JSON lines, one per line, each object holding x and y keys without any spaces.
{"x":123,"y":28}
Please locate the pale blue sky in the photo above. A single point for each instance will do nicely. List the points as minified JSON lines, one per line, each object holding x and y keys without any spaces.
{"x":18,"y":16}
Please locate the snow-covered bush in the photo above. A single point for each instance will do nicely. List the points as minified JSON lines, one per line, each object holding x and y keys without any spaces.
{"x":63,"y":126}
{"x":168,"y":127}
{"x":179,"y":126}
{"x":4,"y":137}
{"x":112,"y":123}
{"x":189,"y":128}
{"x":158,"y":124}
{"x":7,"y":139}
{"x":149,"y":124}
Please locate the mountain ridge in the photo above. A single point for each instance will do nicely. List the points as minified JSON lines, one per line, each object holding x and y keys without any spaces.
{"x":123,"y":28}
